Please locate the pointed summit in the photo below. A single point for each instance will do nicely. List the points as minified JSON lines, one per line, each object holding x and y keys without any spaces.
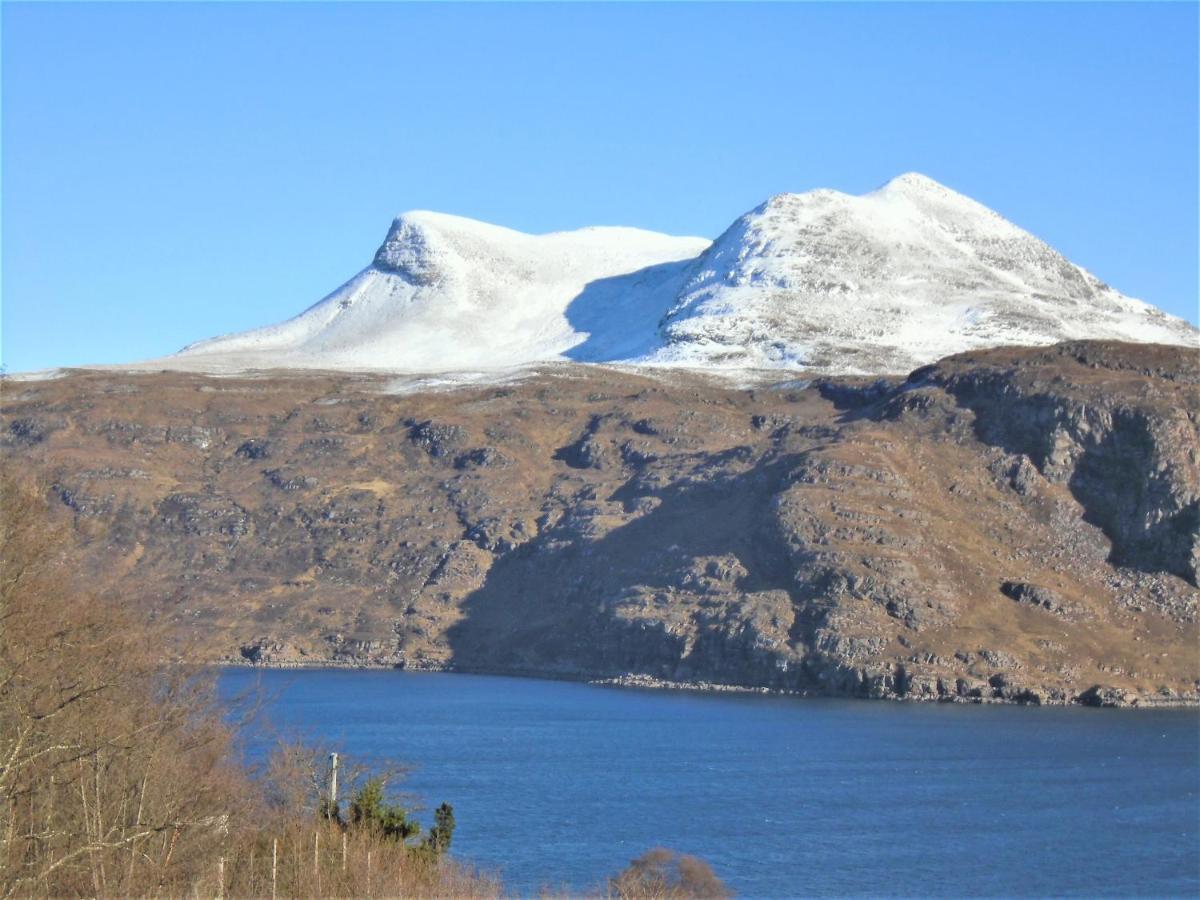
{"x":412,"y":249}
{"x":915,"y":183}
{"x":944,"y":202}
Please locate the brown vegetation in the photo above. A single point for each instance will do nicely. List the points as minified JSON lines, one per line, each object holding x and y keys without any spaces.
{"x":118,"y":775}
{"x":1017,"y":524}
{"x":665,"y":874}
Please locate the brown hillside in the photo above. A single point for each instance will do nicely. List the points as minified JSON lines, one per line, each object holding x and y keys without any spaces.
{"x":1017,"y":524}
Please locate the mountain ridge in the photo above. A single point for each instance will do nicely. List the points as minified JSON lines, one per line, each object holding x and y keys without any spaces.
{"x":822,"y":281}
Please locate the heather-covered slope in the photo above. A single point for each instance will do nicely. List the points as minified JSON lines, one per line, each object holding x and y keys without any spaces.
{"x":1013,"y":524}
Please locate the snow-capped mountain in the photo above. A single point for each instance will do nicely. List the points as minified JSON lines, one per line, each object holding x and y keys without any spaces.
{"x":446,"y":293}
{"x":886,"y":282}
{"x":822,"y":280}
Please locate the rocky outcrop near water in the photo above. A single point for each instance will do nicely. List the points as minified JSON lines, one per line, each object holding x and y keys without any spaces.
{"x":1011,"y":525}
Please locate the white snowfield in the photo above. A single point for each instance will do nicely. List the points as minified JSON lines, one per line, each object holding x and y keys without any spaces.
{"x":821,"y":281}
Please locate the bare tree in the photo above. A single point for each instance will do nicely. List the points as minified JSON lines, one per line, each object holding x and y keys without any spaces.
{"x":115,"y":769}
{"x":118,"y":772}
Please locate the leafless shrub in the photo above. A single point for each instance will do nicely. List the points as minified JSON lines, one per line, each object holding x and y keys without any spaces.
{"x":662,"y":873}
{"x":118,"y":776}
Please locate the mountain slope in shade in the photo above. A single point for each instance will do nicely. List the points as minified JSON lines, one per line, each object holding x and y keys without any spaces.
{"x":823,"y":280}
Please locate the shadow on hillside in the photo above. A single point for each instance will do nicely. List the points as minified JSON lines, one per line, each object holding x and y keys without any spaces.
{"x":621,"y":315}
{"x":1121,"y":479}
{"x":551,"y":606}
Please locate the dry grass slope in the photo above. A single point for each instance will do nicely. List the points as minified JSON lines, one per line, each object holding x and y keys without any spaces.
{"x":1018,"y":525}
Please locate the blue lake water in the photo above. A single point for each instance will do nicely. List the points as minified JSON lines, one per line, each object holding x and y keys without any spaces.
{"x":557,"y":784}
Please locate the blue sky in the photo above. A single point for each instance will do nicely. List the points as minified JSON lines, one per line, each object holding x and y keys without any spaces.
{"x":175,"y":171}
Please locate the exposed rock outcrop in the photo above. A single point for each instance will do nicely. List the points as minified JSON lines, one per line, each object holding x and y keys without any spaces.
{"x":1014,"y":525}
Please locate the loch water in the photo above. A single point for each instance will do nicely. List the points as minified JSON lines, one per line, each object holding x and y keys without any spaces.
{"x":556,"y":784}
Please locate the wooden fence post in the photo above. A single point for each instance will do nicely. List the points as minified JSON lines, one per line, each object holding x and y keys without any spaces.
{"x":274,"y":864}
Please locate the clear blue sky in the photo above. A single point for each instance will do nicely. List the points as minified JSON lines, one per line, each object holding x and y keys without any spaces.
{"x":174,"y":171}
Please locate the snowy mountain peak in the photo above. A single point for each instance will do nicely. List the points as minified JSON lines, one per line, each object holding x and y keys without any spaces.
{"x":413,"y":248}
{"x":822,"y":280}
{"x":914,"y":183}
{"x":886,"y":281}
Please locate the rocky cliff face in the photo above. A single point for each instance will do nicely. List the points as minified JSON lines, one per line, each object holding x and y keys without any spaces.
{"x":1129,"y":455}
{"x":1016,"y":524}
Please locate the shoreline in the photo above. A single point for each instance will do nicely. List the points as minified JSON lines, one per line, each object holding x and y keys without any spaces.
{"x":636,"y":681}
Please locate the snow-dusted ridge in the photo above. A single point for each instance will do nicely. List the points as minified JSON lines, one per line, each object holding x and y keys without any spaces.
{"x":445,"y":293}
{"x":823,"y":281}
